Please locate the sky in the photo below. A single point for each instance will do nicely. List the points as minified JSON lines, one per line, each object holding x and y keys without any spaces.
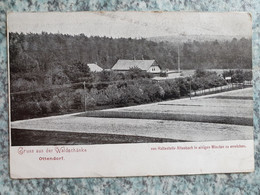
{"x":133,"y":24}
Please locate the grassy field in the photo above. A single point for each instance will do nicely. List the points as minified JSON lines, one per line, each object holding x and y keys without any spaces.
{"x":170,"y":116}
{"x":232,"y":109}
{"x":167,"y":129}
{"x":72,"y":129}
{"x":211,"y":105}
{"x":39,"y":137}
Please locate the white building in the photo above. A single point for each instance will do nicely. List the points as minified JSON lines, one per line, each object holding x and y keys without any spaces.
{"x":150,"y":66}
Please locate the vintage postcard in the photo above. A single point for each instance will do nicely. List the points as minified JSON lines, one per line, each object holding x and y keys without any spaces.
{"x":111,"y":94}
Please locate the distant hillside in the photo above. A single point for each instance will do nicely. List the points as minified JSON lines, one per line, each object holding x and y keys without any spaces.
{"x":190,"y":38}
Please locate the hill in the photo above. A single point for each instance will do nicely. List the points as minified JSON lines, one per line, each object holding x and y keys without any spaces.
{"x":190,"y":38}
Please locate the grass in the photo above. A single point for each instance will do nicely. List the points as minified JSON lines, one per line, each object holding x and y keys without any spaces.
{"x":170,"y":116}
{"x":22,"y":137}
{"x":233,"y":97}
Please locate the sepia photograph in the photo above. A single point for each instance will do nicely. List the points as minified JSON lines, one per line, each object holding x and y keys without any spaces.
{"x":91,"y":78}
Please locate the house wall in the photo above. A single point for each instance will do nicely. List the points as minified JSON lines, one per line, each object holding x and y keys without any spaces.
{"x":96,"y":70}
{"x":154,"y":69}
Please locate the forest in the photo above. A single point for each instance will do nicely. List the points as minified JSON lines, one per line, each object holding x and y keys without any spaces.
{"x":48,"y":70}
{"x":43,"y":51}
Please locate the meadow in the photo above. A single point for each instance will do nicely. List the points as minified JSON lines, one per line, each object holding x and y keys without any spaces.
{"x":140,"y":127}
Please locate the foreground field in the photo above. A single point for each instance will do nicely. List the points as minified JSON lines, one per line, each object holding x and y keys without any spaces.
{"x":106,"y":128}
{"x":38,"y":137}
{"x":229,"y":104}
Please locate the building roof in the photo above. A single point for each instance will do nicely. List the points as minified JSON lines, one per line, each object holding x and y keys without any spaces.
{"x":95,"y":68}
{"x":127,"y":64}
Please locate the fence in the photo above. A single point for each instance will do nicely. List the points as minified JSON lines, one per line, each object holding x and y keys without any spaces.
{"x":228,"y":87}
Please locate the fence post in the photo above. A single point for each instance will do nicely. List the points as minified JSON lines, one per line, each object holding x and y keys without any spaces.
{"x":84,"y":85}
{"x":190,"y":87}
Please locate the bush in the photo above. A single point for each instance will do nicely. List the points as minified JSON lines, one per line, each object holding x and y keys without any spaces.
{"x":200,"y":73}
{"x":35,"y":108}
{"x":20,"y":111}
{"x":66,"y":98}
{"x":90,"y":102}
{"x":137,"y":73}
{"x":184,"y":86}
{"x":206,"y":79}
{"x":99,"y":96}
{"x":45,"y":107}
{"x":154,"y":92}
{"x":174,"y":89}
{"x":23,"y":85}
{"x":166,"y":88}
{"x":113,"y":94}
{"x":238,"y":76}
{"x":26,"y":108}
{"x":55,"y":105}
{"x":248,"y":75}
{"x":163,"y":74}
{"x":134,"y":94}
{"x":77,"y":100}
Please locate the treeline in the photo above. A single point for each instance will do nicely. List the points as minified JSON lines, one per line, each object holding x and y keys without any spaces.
{"x":234,"y":54}
{"x":76,"y":73}
{"x":32,"y":52}
{"x":109,"y":93}
{"x":238,"y":76}
{"x":43,"y":52}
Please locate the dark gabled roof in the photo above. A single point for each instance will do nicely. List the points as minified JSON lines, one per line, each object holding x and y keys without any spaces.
{"x":127,"y":64}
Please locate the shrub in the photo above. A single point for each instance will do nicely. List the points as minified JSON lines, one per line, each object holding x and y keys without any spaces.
{"x":104,"y":76}
{"x":154,"y":92}
{"x":22,"y":85}
{"x":113,"y":94}
{"x":205,"y":79}
{"x":33,"y":108}
{"x":248,"y":75}
{"x":137,"y":73}
{"x":200,"y":73}
{"x":174,"y":89}
{"x":238,"y":76}
{"x":183,"y":86}
{"x":55,"y":105}
{"x":77,"y":100}
{"x":90,"y":102}
{"x":163,"y":74}
{"x":66,"y":98}
{"x":135,"y":94}
{"x":166,"y":89}
{"x":19,"y":111}
{"x":101,"y":98}
{"x":45,"y":107}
